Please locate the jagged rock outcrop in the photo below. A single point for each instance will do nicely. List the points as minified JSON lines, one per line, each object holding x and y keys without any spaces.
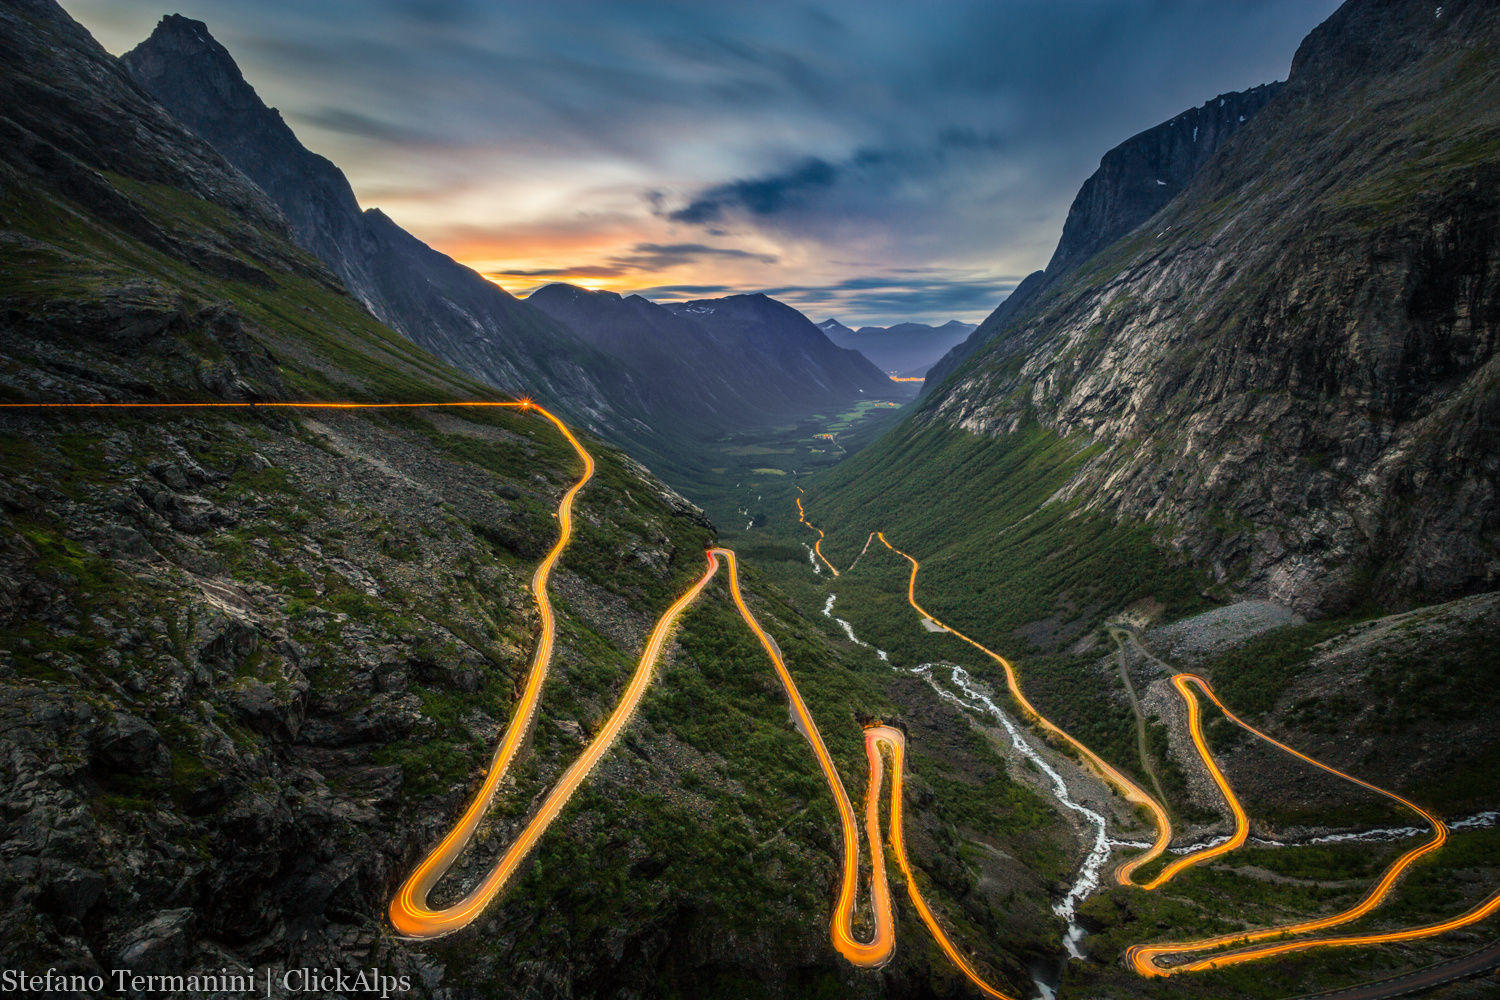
{"x":1291,"y":371}
{"x":1143,"y":173}
{"x":421,"y":293}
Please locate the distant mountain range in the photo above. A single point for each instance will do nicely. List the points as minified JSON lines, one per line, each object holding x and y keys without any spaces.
{"x":745,"y":358}
{"x":618,"y":381}
{"x":907,"y":349}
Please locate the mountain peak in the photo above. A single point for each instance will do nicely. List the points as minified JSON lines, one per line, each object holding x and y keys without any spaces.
{"x":186,"y":28}
{"x":181,"y":40}
{"x":563,"y":290}
{"x":1139,"y":176}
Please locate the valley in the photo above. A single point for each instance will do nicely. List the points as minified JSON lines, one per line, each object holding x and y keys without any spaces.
{"x":1146,"y":960}
{"x":1137,"y":642}
{"x":411,"y":915}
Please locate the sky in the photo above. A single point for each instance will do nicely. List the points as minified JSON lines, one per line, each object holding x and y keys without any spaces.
{"x":872,"y":160}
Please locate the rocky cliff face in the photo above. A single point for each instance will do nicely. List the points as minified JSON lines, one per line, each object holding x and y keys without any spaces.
{"x":1143,"y":173}
{"x":195,"y":78}
{"x":1134,"y":181}
{"x":1291,"y":372}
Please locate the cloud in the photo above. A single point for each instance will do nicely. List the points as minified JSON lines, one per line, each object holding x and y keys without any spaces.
{"x":642,"y":258}
{"x":670,"y":293}
{"x":586,"y":271}
{"x":758,"y":196}
{"x":659,"y":256}
{"x":933,"y":297}
{"x":347,"y":121}
{"x":922,"y":149}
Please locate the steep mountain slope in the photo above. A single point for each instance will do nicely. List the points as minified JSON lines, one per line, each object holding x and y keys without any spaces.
{"x":1143,"y":173}
{"x":252,"y":664}
{"x":1134,"y":180}
{"x":772,"y":337}
{"x":627,"y":388}
{"x":431,"y":299}
{"x":906,"y":348}
{"x":717,"y":381}
{"x":1288,"y":376}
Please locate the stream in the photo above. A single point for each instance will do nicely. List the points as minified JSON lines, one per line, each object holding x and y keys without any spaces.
{"x":971,"y":697}
{"x":975,"y":700}
{"x":849,"y":630}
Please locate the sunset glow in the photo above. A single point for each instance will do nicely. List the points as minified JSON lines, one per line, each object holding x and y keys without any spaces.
{"x":880,"y":163}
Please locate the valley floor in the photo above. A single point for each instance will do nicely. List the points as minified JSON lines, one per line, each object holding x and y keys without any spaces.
{"x":1342,"y":691}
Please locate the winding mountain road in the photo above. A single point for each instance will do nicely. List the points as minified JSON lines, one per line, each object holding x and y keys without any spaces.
{"x":885,"y":748}
{"x":1410,"y":984}
{"x":1174,"y":958}
{"x":1142,"y":745}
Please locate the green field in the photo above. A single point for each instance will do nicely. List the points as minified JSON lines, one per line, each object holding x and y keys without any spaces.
{"x":750,"y":476}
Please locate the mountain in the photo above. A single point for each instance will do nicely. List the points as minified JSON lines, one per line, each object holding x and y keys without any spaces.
{"x":764,"y":371}
{"x":1133,"y":182}
{"x":430,"y":298}
{"x":906,"y":349}
{"x":253,"y":662}
{"x":1143,"y":173}
{"x":1287,"y":377}
{"x":1275,"y":399}
{"x":771,"y":337}
{"x":834,"y":329}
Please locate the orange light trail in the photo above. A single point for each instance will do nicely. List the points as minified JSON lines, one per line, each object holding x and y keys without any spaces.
{"x":409,"y":912}
{"x":818,"y":545}
{"x":1146,"y":959}
{"x":877,"y":951}
{"x":1113,"y":777}
{"x":522,"y":404}
{"x":893,"y":741}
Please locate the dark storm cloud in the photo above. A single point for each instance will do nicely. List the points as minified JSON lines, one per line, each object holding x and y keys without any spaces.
{"x":885,"y":132}
{"x":803,"y":184}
